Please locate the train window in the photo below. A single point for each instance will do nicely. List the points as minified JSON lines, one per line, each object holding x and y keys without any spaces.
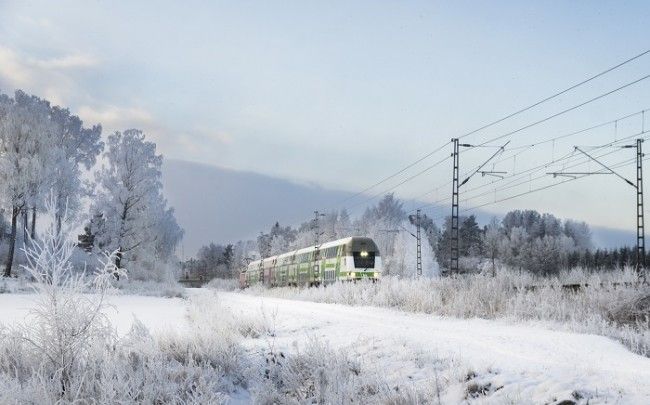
{"x":364,"y":260}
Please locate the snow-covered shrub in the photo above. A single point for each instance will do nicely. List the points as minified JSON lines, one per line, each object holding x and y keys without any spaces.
{"x":65,"y":325}
{"x":318,"y":374}
{"x":204,"y":364}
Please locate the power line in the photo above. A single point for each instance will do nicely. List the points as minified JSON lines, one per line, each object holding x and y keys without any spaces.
{"x":575,"y":107}
{"x":569,"y":158}
{"x":393,"y":175}
{"x":522,"y":110}
{"x":604,"y":72}
{"x":542,"y":188}
{"x":624,"y":163}
{"x":548,"y":140}
{"x":400,"y":183}
{"x":531,"y":171}
{"x":548,"y":118}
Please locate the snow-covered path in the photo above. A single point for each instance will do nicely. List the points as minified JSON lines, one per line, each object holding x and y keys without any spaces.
{"x":533,"y":363}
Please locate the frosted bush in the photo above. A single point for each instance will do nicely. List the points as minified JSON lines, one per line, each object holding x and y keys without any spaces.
{"x":318,"y":374}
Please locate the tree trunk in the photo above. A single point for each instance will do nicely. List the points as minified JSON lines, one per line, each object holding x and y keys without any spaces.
{"x":118,"y":262}
{"x":12,"y":242}
{"x":33,"y":230}
{"x":494,"y":267}
{"x":118,"y":255}
{"x":58,"y":223}
{"x":25,"y":227}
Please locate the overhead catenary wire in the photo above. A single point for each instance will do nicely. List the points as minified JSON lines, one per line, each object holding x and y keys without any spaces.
{"x":541,"y":166}
{"x":624,"y":163}
{"x":502,"y":119}
{"x":400,"y":183}
{"x":567,"y":110}
{"x":548,"y":118}
{"x":617,"y":166}
{"x":538,"y":168}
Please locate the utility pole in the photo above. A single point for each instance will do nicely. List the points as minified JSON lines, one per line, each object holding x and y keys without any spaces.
{"x":640,"y":229}
{"x":317,"y":232}
{"x":419,"y":242}
{"x":453,"y":265}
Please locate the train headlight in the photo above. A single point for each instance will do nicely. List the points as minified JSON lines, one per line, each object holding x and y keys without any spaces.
{"x":364,"y":254}
{"x":353,"y":274}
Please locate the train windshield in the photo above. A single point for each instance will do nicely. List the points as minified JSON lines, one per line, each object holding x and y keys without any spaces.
{"x":364,"y":260}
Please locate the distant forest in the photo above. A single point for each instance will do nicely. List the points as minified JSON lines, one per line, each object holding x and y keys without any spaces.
{"x":525,"y":240}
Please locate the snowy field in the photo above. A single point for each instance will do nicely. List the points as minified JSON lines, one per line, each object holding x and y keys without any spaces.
{"x":480,"y":360}
{"x":529,"y":363}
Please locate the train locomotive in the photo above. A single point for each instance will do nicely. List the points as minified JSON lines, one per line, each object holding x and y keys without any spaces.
{"x":349,"y":259}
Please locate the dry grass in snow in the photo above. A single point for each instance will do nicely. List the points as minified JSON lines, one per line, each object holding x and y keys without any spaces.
{"x":613,"y":304}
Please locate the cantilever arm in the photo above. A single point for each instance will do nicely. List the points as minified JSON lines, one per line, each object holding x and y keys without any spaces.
{"x":606,"y":167}
{"x":501,"y":149}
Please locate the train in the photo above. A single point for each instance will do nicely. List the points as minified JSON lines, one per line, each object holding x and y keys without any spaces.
{"x":349,"y":259}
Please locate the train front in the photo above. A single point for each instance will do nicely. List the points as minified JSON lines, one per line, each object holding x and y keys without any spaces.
{"x":362,"y":260}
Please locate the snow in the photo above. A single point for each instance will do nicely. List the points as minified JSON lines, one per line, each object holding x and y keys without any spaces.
{"x":158,"y":314}
{"x":523,"y":363}
{"x":534,"y":363}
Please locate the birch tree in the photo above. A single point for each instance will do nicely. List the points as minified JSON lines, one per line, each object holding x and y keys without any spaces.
{"x":26,"y":147}
{"x":77,"y":148}
{"x":136,"y":223}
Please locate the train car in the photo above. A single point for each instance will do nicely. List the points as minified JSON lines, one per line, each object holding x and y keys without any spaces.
{"x":349,"y":259}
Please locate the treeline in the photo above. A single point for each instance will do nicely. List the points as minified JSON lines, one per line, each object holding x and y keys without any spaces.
{"x":522,"y":239}
{"x":47,"y":152}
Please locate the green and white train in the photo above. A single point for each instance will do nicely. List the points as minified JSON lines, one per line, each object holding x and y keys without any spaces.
{"x":349,"y":259}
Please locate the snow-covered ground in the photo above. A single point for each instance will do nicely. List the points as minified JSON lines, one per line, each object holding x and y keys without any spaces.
{"x":508,"y":363}
{"x":158,"y":314}
{"x":529,"y":362}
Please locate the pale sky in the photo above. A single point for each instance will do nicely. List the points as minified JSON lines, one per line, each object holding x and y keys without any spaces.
{"x":340,"y":93}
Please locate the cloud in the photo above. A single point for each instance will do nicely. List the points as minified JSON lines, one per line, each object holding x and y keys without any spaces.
{"x":12,"y":70}
{"x":51,"y":78}
{"x":211,"y":135}
{"x":56,"y":80}
{"x":68,"y":62}
{"x":116,"y":118}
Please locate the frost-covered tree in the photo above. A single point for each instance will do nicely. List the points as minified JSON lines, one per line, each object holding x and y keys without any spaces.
{"x":580,"y":233}
{"x":26,"y":146}
{"x":404,"y":260}
{"x":381,"y":222}
{"x":343,"y":225}
{"x":470,"y":241}
{"x":136,"y":222}
{"x":244,"y":252}
{"x":549,"y":253}
{"x":491,"y":240}
{"x":75,"y":147}
{"x":470,"y":237}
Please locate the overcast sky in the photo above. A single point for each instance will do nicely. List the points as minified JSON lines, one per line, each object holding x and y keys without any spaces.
{"x":341,"y":94}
